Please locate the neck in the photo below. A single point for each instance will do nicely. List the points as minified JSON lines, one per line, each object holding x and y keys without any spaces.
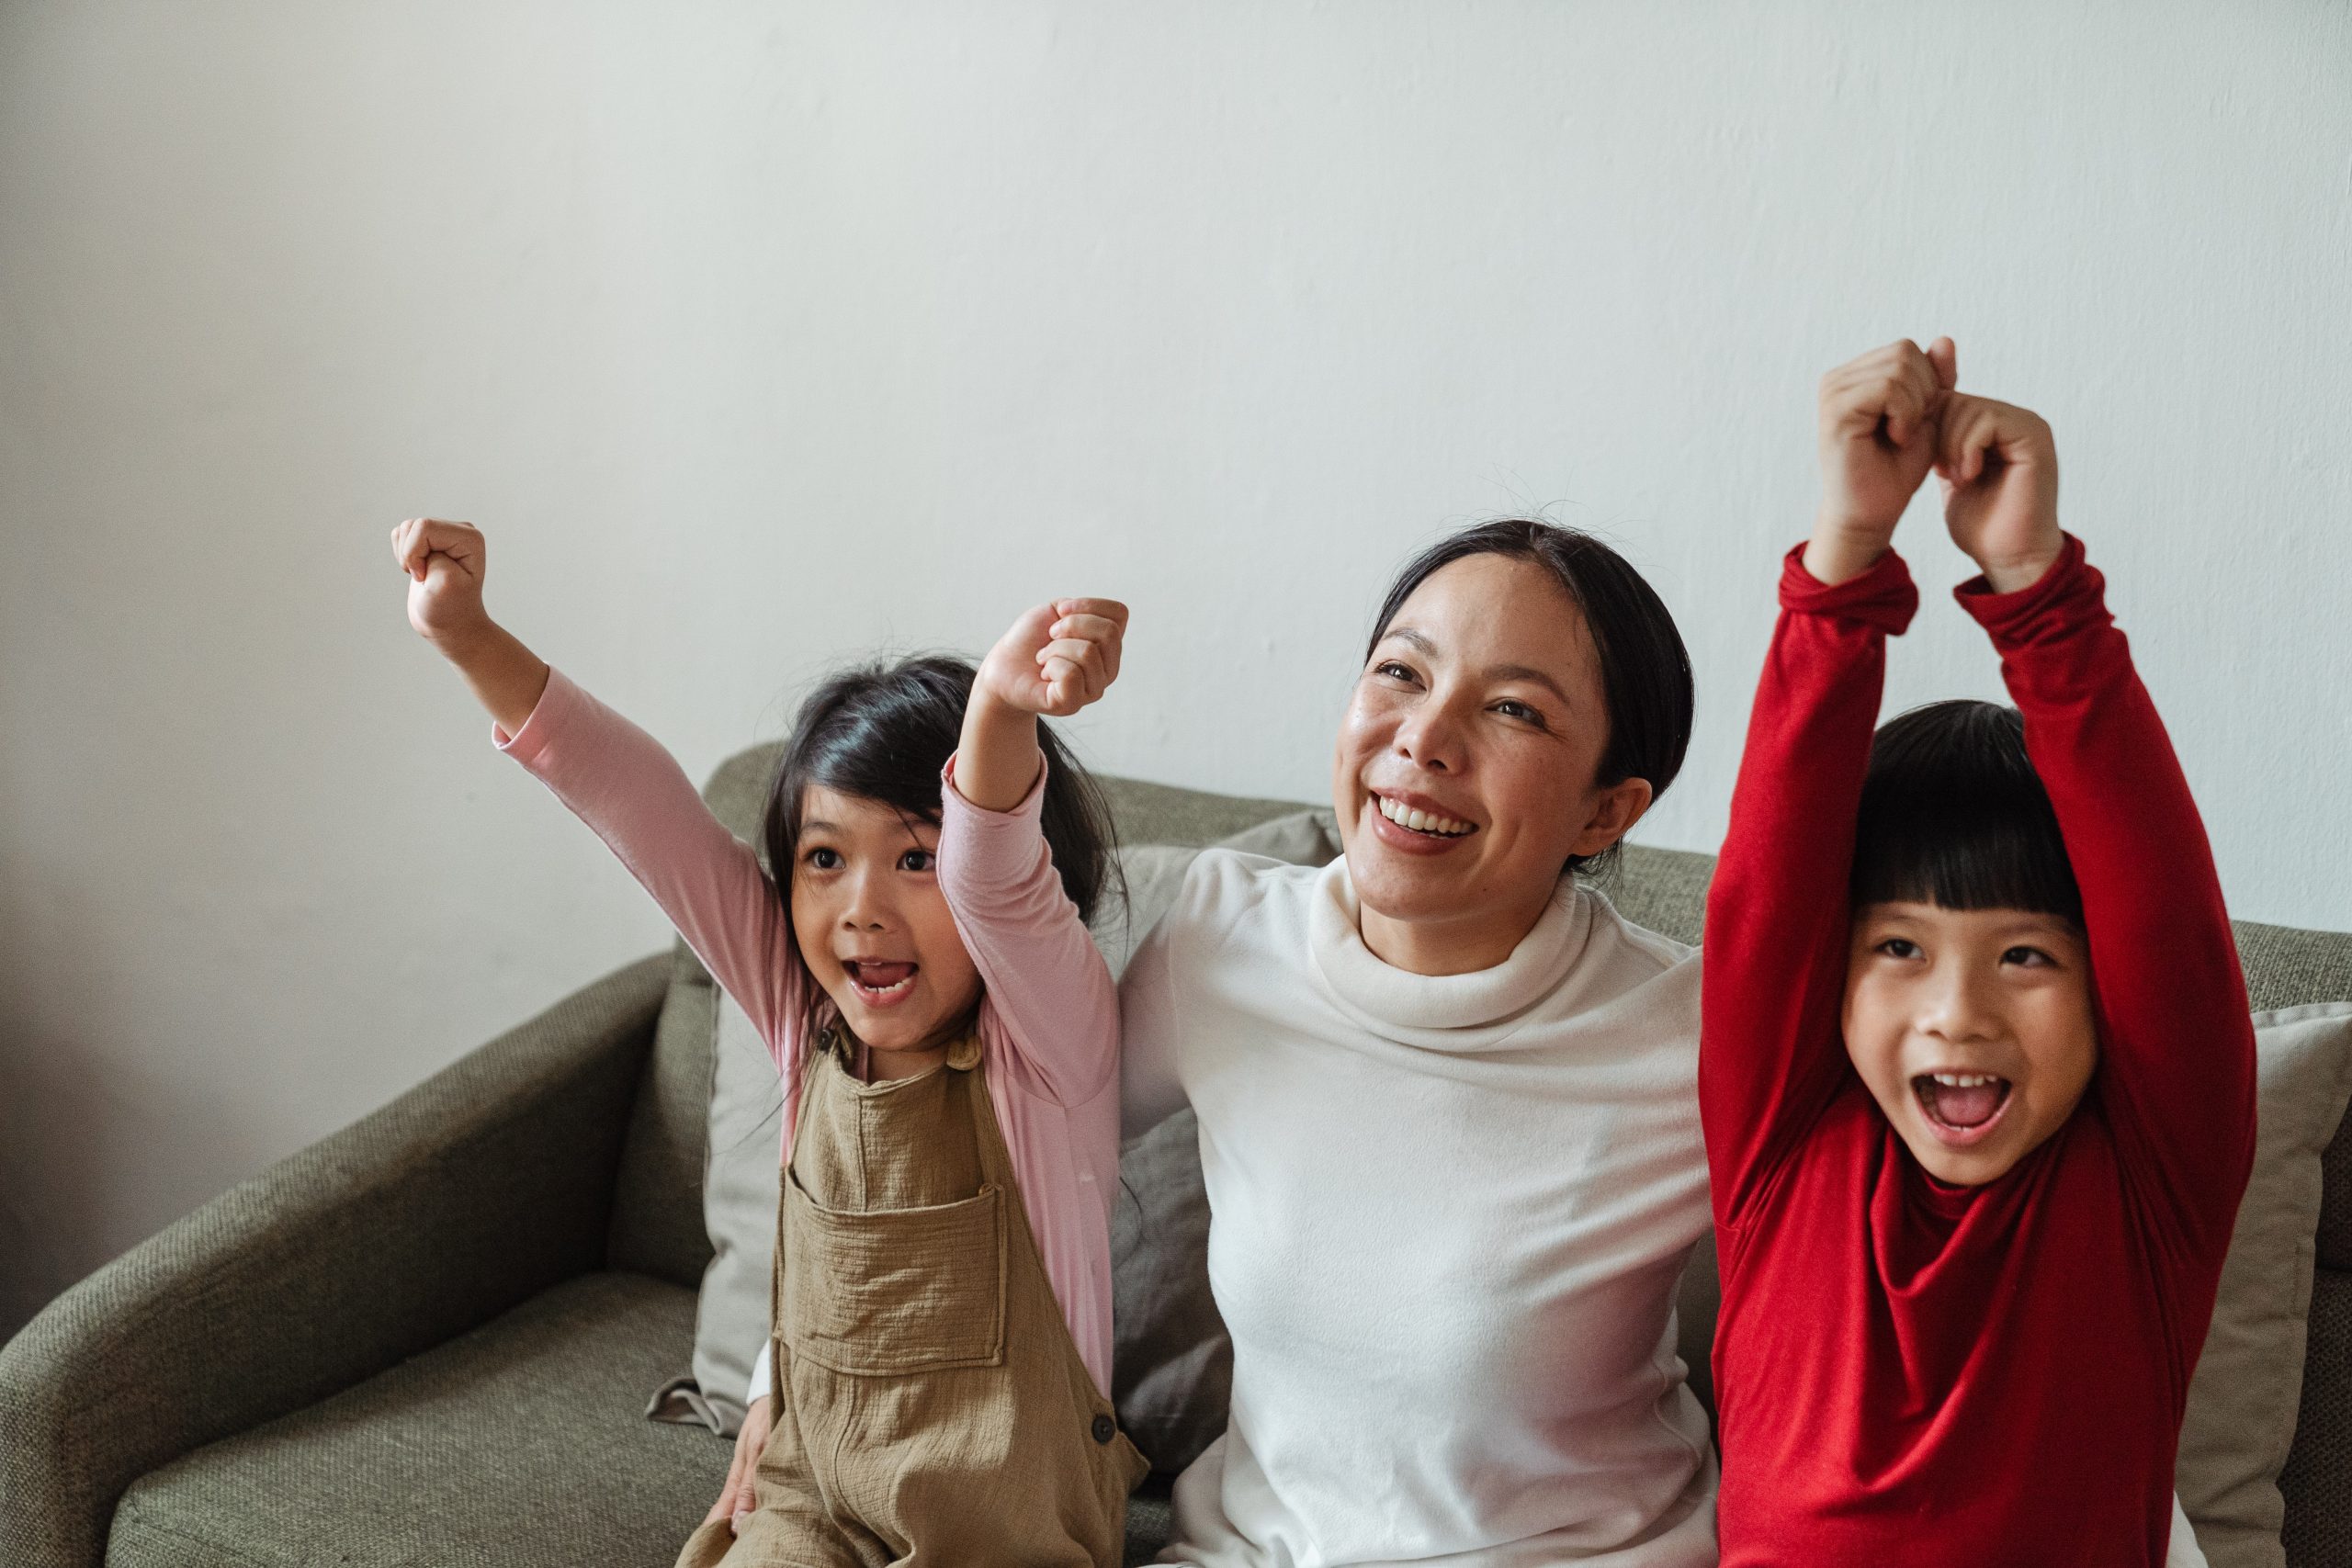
{"x":1461,"y":946}
{"x":881,"y":1066}
{"x":881,"y":1063}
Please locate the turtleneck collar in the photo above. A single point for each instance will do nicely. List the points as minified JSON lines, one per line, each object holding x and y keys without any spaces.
{"x":1459,"y":1012}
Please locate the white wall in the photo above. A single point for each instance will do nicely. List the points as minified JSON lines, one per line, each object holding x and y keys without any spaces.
{"x":760,"y":335}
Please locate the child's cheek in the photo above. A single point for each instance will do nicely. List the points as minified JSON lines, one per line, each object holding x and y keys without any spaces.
{"x":1873,"y":1031}
{"x":956,"y":980}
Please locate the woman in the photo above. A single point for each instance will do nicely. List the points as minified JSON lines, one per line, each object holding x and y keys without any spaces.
{"x":1446,"y":1100}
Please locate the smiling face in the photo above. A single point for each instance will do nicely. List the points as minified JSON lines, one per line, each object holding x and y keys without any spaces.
{"x":874,"y":928}
{"x":1463,"y":776}
{"x":1972,"y":1028}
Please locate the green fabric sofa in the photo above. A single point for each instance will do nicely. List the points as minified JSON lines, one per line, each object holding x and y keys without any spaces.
{"x":429,"y":1338}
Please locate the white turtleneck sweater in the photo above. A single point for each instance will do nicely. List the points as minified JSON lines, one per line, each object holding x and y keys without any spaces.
{"x":1448,"y":1214}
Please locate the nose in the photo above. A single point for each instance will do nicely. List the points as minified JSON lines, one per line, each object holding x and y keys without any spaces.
{"x":866,"y":907}
{"x":1956,"y":1004}
{"x":1431,"y":735}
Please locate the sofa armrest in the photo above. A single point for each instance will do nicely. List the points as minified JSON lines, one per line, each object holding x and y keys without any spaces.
{"x":477,"y":1190}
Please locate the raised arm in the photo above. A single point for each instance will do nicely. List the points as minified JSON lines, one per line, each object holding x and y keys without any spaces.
{"x":612,"y":775}
{"x":2176,"y":1067}
{"x":1769,"y":1050}
{"x":1042,"y":971}
{"x":1775,"y":946}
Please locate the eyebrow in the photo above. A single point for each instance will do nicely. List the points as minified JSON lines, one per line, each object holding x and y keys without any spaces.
{"x":1420,"y":640}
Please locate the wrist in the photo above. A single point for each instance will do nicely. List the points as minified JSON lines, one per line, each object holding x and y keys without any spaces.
{"x":1840,"y":549}
{"x":997,"y":756}
{"x":990,"y":707}
{"x":2013,"y":574}
{"x":464,"y":644}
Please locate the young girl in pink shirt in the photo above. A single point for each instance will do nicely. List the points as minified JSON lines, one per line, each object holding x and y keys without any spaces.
{"x":921,"y":970}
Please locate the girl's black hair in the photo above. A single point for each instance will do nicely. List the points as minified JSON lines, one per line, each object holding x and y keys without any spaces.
{"x":1645,"y":670}
{"x":883,"y":731}
{"x":1953,"y":815}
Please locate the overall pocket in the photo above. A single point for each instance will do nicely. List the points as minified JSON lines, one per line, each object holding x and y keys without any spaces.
{"x":888,"y":1291}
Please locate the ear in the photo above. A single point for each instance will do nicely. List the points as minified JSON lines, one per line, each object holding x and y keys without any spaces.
{"x":1613,"y":812}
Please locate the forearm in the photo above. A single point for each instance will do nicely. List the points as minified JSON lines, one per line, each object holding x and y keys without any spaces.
{"x":997,"y":760}
{"x":507,"y":678}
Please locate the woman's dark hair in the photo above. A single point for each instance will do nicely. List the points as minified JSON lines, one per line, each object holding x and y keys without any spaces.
{"x":1953,"y":815}
{"x":883,"y":731}
{"x":1645,"y":669}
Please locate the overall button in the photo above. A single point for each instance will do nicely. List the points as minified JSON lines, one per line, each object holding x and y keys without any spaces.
{"x":1105,"y":1428}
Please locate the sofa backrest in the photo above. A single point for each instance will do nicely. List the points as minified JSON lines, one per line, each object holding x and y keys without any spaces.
{"x":656,"y":1214}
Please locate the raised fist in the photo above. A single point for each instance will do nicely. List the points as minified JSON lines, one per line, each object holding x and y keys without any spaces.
{"x":1878,"y":439}
{"x":2000,"y":466}
{"x":1058,"y":657}
{"x":444,"y":562}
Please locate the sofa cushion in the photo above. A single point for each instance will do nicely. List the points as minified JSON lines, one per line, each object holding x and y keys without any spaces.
{"x":1660,"y":890}
{"x":2318,"y":1529}
{"x":2242,"y":1403}
{"x":520,"y":1443}
{"x":741,"y":1188}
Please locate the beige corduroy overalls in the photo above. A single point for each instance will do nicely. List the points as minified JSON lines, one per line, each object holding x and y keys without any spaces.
{"x":931,"y":1408}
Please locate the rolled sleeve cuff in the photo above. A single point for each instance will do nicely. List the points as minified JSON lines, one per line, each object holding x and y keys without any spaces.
{"x":1883,"y":596}
{"x":549,"y":718}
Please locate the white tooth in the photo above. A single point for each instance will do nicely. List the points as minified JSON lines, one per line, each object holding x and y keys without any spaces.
{"x":1418,"y":822}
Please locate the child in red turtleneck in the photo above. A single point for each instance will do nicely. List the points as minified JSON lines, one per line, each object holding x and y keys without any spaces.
{"x":1975,"y":1068}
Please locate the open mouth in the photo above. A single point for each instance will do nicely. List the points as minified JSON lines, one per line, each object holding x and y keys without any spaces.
{"x":1961,"y":1108}
{"x":879,"y":982}
{"x":1428,"y":824}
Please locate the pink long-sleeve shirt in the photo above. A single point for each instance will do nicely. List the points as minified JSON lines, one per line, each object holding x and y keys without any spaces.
{"x":1049,"y":1013}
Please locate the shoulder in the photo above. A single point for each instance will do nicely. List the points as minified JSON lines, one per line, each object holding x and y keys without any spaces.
{"x":1622,"y":956}
{"x":1233,"y":920}
{"x":1638,"y":944}
{"x":1224,"y":887}
{"x":1629,"y":978}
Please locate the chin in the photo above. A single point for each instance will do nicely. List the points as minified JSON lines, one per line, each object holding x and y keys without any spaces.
{"x":1399,"y":892}
{"x":1974,"y":1171}
{"x":892,"y":1030}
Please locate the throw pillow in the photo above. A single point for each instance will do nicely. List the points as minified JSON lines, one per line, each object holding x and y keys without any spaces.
{"x":2243,"y":1400}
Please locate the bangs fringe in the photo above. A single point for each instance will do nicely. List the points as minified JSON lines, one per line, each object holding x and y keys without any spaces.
{"x":1953,"y":815}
